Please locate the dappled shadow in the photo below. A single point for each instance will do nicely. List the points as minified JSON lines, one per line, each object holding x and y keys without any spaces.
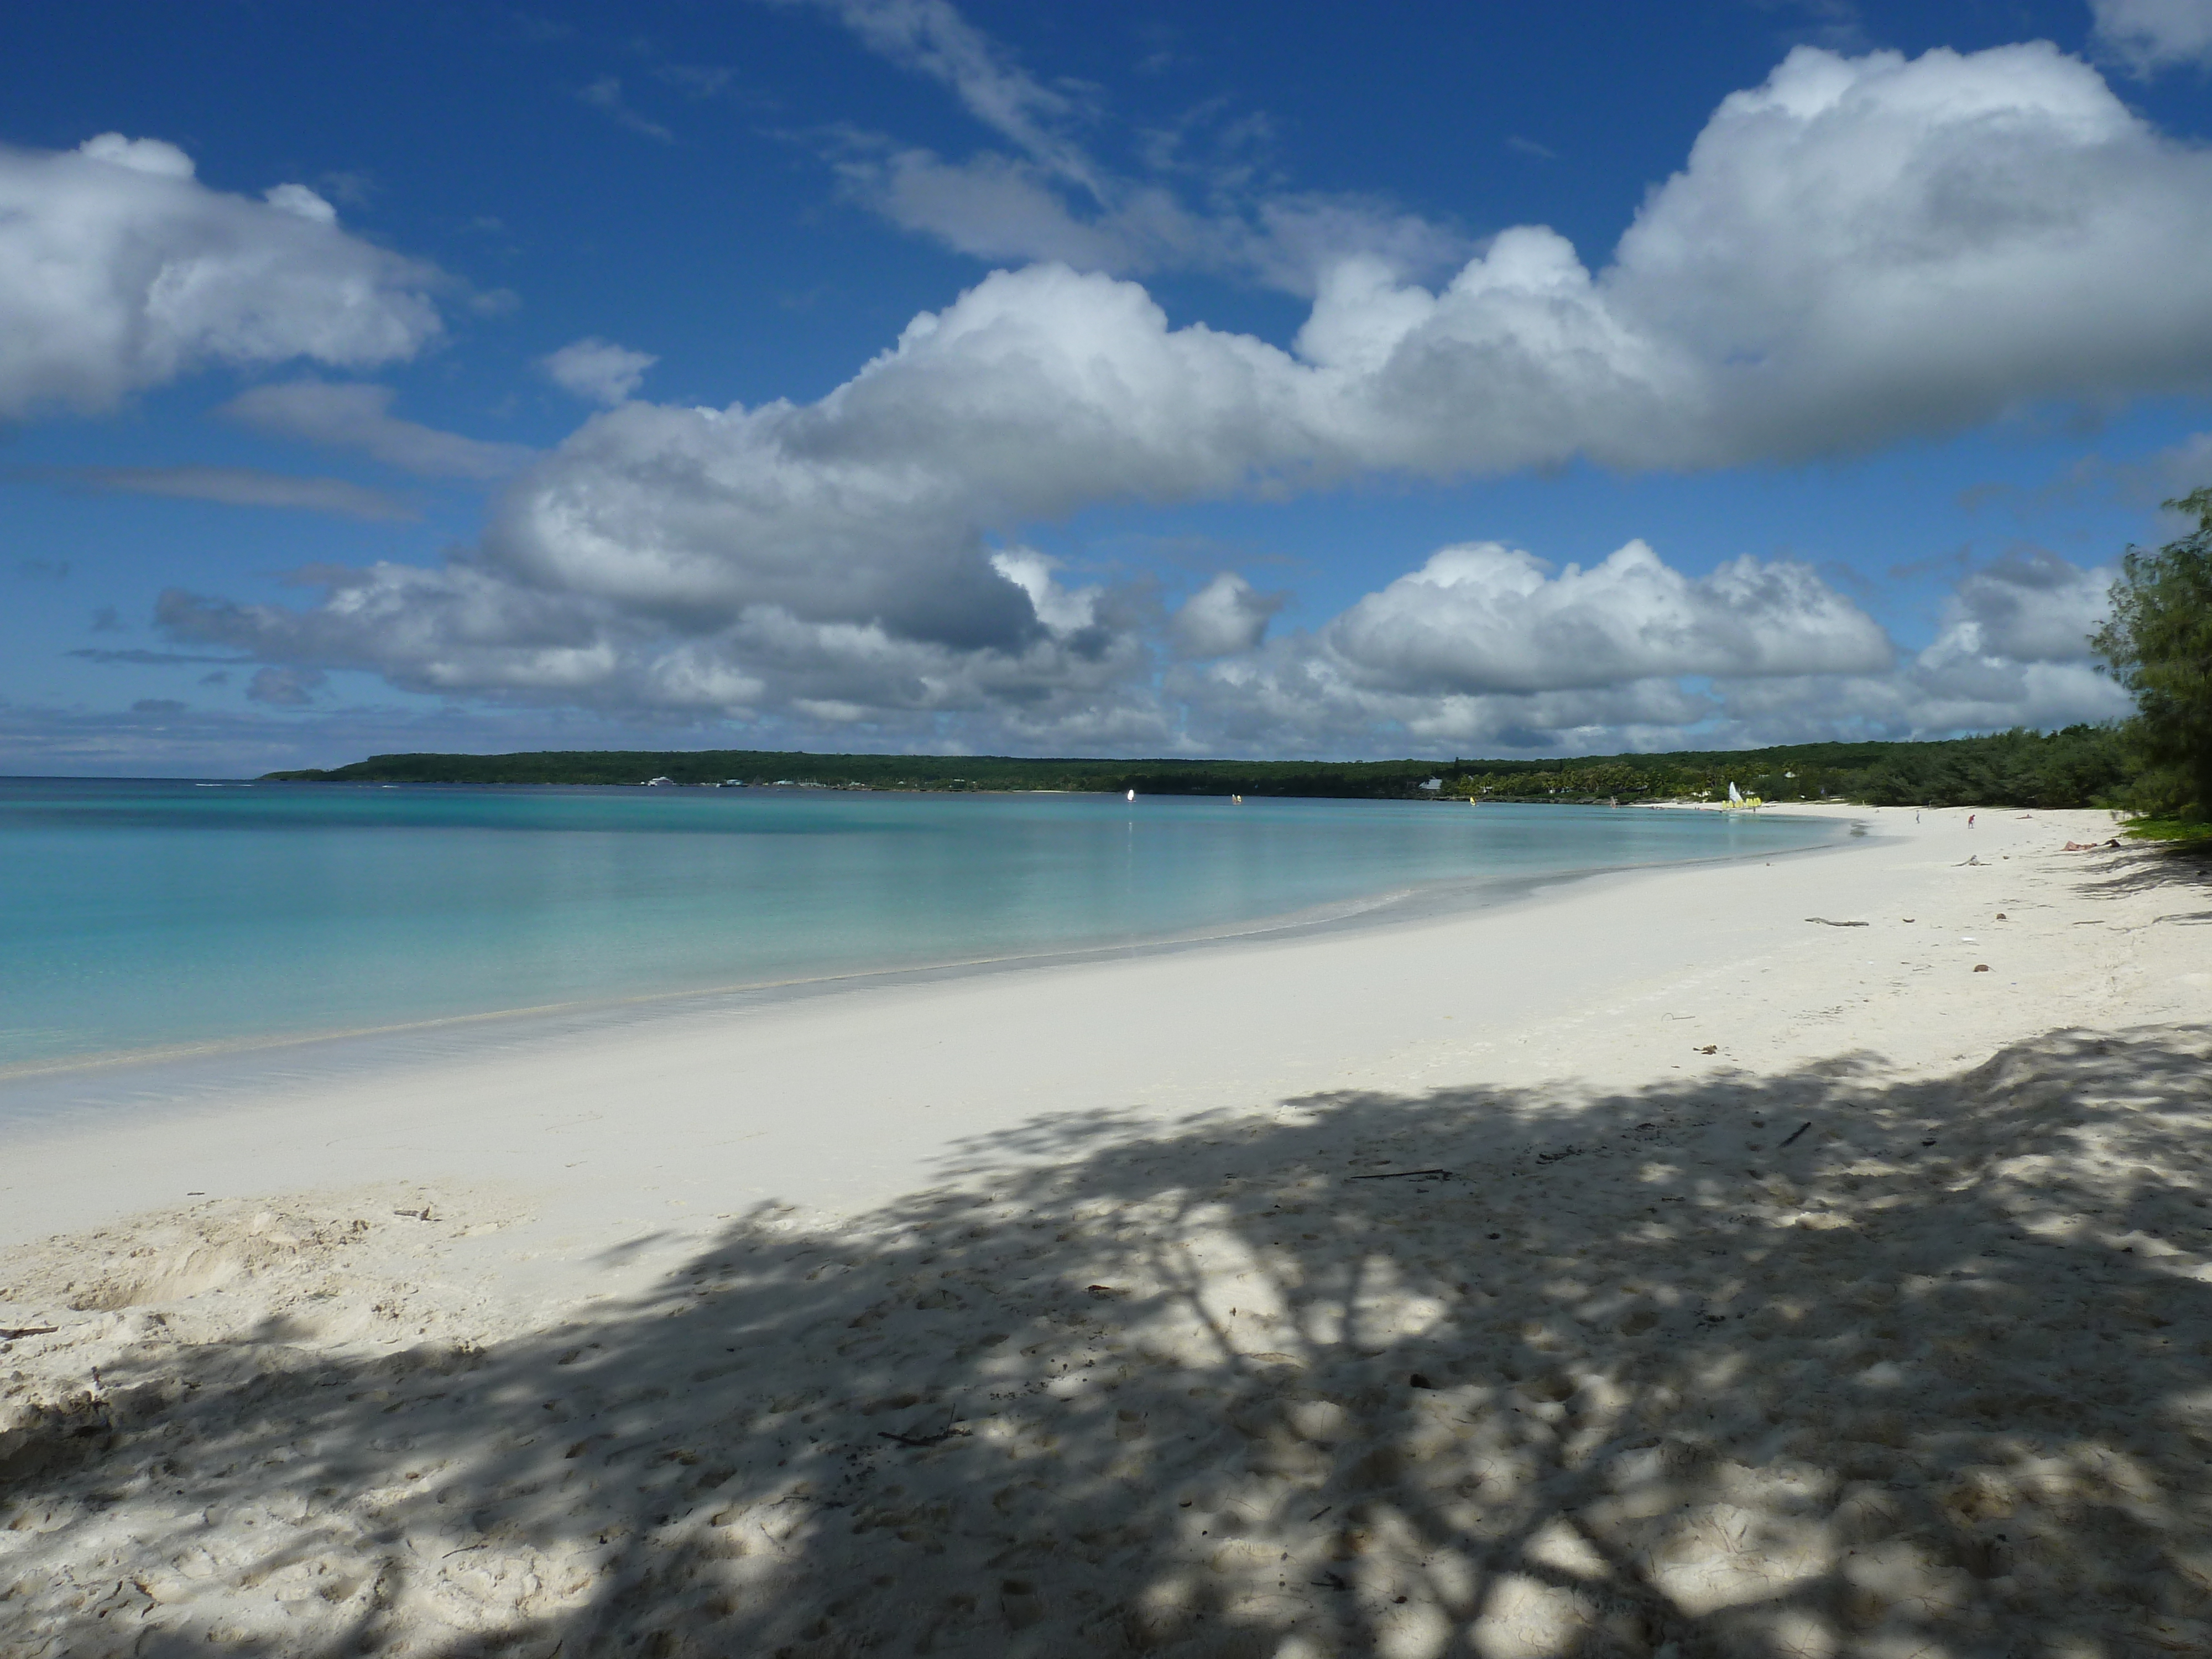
{"x":2142,"y":867}
{"x":1653,"y":1368}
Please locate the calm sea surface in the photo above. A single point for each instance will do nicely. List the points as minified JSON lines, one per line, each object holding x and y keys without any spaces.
{"x":140,"y":916}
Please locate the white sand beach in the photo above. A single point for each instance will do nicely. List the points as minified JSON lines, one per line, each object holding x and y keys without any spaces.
{"x":1793,"y":1258}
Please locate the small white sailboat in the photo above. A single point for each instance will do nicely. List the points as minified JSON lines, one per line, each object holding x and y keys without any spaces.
{"x":1132,"y":794}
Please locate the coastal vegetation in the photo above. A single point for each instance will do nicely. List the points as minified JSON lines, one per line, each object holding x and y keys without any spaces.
{"x":1354,"y":779}
{"x":2080,"y":766}
{"x":2158,"y":644}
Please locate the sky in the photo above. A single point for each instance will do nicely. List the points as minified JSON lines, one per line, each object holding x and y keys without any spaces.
{"x":1290,"y":380}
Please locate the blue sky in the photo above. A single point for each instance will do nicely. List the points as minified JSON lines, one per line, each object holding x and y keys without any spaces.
{"x":863,"y":375}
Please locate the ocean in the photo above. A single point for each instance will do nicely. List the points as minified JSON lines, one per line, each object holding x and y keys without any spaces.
{"x":143,"y":919}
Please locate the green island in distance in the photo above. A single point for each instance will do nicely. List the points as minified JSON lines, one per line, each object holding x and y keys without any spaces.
{"x":2078,"y":766}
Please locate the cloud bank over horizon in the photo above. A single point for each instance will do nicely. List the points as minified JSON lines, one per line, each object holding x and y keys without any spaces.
{"x":1858,"y":252}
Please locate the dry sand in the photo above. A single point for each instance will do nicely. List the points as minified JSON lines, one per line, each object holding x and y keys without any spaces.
{"x":1775,"y":1287}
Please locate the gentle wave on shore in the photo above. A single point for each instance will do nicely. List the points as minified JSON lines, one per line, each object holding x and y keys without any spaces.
{"x":152,"y":917}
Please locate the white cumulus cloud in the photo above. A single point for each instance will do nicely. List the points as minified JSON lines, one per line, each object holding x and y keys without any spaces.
{"x":2031,"y":606}
{"x":1859,"y":250}
{"x":1410,"y":669}
{"x":119,"y":270}
{"x":1060,"y":608}
{"x":2149,"y":35}
{"x":598,"y":371}
{"x":1486,"y":617}
{"x":300,"y":202}
{"x":1485,"y":644}
{"x":1226,"y":615}
{"x":2013,"y":648}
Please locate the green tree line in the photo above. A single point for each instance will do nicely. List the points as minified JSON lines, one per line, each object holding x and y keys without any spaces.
{"x":2082,"y":765}
{"x":1395,"y":779}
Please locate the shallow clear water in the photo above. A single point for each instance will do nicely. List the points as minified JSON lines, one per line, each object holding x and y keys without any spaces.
{"x":138,"y":915}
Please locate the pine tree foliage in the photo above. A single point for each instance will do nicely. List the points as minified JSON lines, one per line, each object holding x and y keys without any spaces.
{"x":2159,"y":645}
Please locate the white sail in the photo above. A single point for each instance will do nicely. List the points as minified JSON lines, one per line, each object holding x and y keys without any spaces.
{"x":1736,"y":796}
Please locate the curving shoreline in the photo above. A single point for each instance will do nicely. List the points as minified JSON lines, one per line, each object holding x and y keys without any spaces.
{"x":138,"y":1082}
{"x":1141,"y":1170}
{"x":161,"y":919}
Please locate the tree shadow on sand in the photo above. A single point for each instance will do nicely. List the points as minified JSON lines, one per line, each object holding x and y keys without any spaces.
{"x":1654,"y":1372}
{"x":2142,"y":867}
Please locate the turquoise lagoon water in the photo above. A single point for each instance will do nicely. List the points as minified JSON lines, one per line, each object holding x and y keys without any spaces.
{"x":143,"y":917}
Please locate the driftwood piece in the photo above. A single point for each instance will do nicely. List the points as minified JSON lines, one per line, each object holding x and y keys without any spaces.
{"x":1405,"y":1175}
{"x":922,"y":1440}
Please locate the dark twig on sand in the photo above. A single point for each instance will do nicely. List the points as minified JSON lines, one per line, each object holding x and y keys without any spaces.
{"x":920,"y":1440}
{"x":1405,"y":1175}
{"x":1825,"y":922}
{"x":1795,"y":1133}
{"x":28,"y":1330}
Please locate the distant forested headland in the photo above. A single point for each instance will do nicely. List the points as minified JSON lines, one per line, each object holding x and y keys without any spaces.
{"x":2080,"y":766}
{"x":1376,"y":779}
